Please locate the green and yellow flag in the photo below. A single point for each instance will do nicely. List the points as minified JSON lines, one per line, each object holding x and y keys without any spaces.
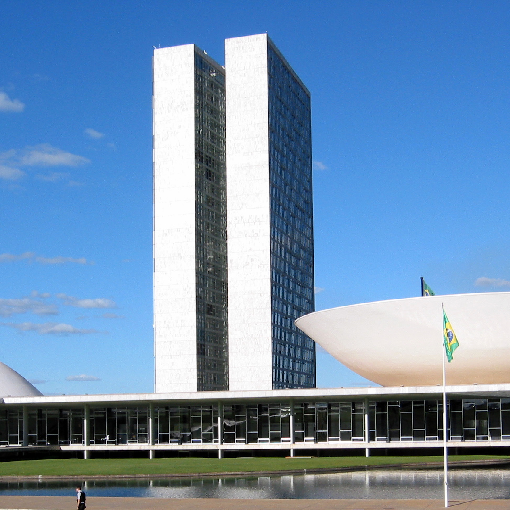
{"x":425,"y":289}
{"x":450,"y":339}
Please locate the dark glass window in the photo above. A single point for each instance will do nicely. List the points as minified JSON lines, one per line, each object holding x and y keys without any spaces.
{"x":210,"y":227}
{"x":290,"y":167}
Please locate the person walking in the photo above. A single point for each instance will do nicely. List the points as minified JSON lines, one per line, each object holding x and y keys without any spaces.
{"x":80,"y":498}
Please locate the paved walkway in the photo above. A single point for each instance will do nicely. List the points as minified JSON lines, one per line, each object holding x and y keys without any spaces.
{"x":69,"y":503}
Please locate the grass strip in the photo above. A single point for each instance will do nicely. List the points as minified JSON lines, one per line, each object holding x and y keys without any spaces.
{"x":194,"y":466}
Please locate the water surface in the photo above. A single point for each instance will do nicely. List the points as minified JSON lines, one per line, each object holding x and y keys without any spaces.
{"x":464,"y":484}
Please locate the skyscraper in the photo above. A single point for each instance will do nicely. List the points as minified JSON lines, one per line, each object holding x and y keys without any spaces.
{"x":270,"y":231}
{"x":190,"y":252}
{"x":233,"y":232}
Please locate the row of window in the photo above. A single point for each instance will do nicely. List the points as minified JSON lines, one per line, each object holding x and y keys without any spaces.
{"x":284,"y":163}
{"x":290,"y":197}
{"x":286,"y":231}
{"x":293,"y":294}
{"x":289,"y":363}
{"x":294,"y":286}
{"x":418,"y":420}
{"x":291,"y":379}
{"x":303,"y":285}
{"x":294,"y":217}
{"x":288,"y":84}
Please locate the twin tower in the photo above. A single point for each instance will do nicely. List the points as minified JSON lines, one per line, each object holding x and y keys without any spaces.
{"x":233,"y":220}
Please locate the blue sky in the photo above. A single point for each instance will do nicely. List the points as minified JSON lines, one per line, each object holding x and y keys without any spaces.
{"x":411,"y":129}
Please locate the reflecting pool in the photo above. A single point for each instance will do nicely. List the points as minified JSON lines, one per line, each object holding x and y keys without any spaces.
{"x":464,"y":484}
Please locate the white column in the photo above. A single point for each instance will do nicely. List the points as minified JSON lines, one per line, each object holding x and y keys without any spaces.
{"x":220,"y":429}
{"x":86,"y":431}
{"x":151,"y":431}
{"x":292,"y":435}
{"x":366,"y":409}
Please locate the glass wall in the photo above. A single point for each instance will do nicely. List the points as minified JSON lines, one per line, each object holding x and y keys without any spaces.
{"x":11,"y":426}
{"x":186,"y":424}
{"x":292,"y":251}
{"x":210,"y":226}
{"x":54,"y":426}
{"x":118,"y":425}
{"x":251,"y":423}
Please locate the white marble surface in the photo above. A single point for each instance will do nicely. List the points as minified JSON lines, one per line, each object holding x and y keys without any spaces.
{"x":174,"y":219}
{"x":248,"y":206}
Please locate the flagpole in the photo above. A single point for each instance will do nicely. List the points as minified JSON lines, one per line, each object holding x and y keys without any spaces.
{"x":445,"y":430}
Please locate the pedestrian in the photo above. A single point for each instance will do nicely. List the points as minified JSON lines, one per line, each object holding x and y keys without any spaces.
{"x":80,"y":498}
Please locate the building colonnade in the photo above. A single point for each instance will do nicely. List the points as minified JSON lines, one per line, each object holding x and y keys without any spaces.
{"x":292,"y":424}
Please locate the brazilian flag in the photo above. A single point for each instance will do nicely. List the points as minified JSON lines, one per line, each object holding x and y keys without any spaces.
{"x":450,"y":339}
{"x":425,"y":289}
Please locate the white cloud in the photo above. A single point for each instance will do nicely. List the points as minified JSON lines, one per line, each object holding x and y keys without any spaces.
{"x":52,"y":176}
{"x":60,"y":260}
{"x":74,"y":184}
{"x":319,"y":165}
{"x":43,"y":295}
{"x":46,"y":155}
{"x":92,"y":133}
{"x":10,"y":105}
{"x":10,"y":307}
{"x":87,"y":303}
{"x":111,"y":316}
{"x":30,"y":257}
{"x":10,"y":174}
{"x":9,"y":257}
{"x":49,"y":328}
{"x":95,"y":303}
{"x":82,"y":377}
{"x":491,"y":282}
{"x":318,"y":290}
{"x":42,"y":155}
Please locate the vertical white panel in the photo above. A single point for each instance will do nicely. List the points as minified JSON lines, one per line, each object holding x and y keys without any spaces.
{"x":248,"y":214}
{"x":174,"y":219}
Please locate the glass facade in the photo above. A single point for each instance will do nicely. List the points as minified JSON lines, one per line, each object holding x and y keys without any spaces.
{"x":297,"y":423}
{"x":210,"y":226}
{"x":290,"y":169}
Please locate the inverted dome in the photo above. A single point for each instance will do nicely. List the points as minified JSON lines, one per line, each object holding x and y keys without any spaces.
{"x":400,"y":342}
{"x":14,"y":385}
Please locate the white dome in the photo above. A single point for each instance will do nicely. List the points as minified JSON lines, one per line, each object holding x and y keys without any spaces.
{"x":14,"y":385}
{"x":400,"y":342}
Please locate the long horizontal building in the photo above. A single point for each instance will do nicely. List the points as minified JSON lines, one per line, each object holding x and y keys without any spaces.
{"x":279,"y":422}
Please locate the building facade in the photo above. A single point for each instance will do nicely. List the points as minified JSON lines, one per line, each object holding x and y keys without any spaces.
{"x":368,"y":421}
{"x":270,"y":218}
{"x":233,"y":220}
{"x":190,"y":248}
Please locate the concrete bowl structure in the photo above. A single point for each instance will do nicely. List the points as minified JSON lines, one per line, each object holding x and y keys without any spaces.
{"x":14,"y":385}
{"x":400,"y":342}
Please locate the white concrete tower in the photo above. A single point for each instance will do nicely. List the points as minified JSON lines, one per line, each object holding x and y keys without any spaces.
{"x":269,"y":218}
{"x":190,"y":281}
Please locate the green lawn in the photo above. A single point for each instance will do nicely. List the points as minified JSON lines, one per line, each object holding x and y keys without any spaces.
{"x":104,"y":467}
